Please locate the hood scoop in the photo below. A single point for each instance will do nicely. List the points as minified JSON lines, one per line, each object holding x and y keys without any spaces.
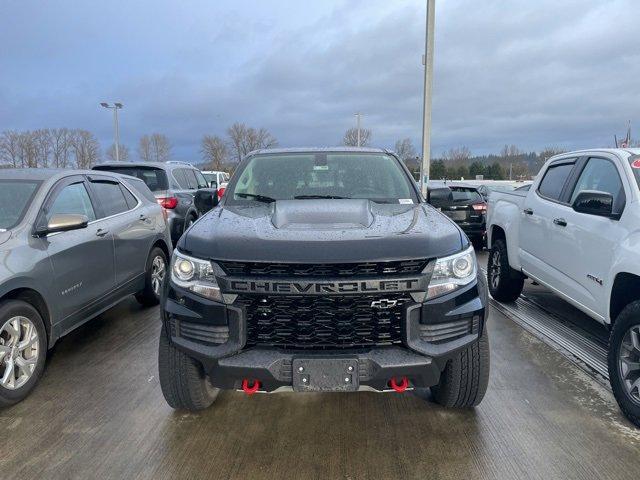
{"x":322,"y":214}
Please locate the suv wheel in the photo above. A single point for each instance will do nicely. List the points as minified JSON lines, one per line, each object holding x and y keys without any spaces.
{"x":464,"y":380}
{"x":23,"y":350}
{"x":154,"y":278}
{"x":182,"y":379}
{"x":624,"y":361}
{"x":505,"y":283}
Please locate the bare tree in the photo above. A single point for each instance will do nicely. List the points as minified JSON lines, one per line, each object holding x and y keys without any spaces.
{"x":350,"y":138}
{"x":510,"y":152}
{"x":457,"y":155}
{"x":28,"y":150}
{"x":60,"y":147}
{"x":154,"y":148}
{"x":43,"y":146}
{"x":404,"y":149}
{"x":10,"y":148}
{"x":123,"y":152}
{"x":215,"y":152}
{"x":245,"y":139}
{"x":86,"y":149}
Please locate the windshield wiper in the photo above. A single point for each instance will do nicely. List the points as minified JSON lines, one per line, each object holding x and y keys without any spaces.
{"x":256,"y":197}
{"x":310,"y":197}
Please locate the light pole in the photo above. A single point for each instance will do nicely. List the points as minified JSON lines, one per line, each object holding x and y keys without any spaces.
{"x":428,"y":85}
{"x":115,"y":107}
{"x":358,"y":123}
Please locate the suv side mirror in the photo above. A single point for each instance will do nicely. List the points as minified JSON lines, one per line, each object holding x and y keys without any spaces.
{"x":206,"y":199}
{"x":213,"y":184}
{"x":594,"y":202}
{"x":63,"y":222}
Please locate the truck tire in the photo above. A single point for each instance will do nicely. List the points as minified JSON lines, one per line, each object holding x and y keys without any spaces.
{"x":154,"y":276}
{"x":25,"y":357}
{"x":182,"y":379}
{"x":505,"y":283}
{"x":464,"y":380}
{"x":624,"y":361}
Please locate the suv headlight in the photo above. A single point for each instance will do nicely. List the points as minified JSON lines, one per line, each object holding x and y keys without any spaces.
{"x":453,"y":272}
{"x":195,"y":275}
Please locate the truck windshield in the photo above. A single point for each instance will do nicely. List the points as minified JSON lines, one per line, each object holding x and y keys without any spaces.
{"x":15,"y":197}
{"x":289,"y":176}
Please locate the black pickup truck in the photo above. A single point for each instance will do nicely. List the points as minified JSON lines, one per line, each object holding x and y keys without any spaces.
{"x":323,"y":270}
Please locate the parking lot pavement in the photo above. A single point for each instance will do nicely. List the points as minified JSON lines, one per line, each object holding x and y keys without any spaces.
{"x":99,"y":413}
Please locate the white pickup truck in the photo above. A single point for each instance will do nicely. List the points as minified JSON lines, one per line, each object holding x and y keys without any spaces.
{"x":577,"y":232}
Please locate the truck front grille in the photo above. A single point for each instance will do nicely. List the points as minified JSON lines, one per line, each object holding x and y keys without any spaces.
{"x":259,"y":269}
{"x":308,"y":322}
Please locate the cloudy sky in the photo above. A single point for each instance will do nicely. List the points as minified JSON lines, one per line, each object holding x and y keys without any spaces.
{"x":533,"y":73}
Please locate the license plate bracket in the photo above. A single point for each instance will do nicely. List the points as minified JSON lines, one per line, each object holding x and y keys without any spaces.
{"x":325,"y":374}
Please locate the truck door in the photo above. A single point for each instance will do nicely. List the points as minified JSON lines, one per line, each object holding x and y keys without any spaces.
{"x":540,"y":245}
{"x":591,"y":240}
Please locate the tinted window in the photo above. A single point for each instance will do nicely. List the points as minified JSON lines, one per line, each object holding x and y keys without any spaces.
{"x":15,"y":197}
{"x":72,"y":199}
{"x":110,"y":196}
{"x":129,"y":198}
{"x":439,"y":196}
{"x":192,"y":183}
{"x":154,"y":178}
{"x":601,"y":175}
{"x":554,"y":179}
{"x":181,"y":179}
{"x":142,"y":189}
{"x":201,"y":181}
{"x":461,"y":195}
{"x":377,"y":177}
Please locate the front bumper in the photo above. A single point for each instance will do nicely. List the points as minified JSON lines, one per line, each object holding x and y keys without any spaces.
{"x":432,"y":332}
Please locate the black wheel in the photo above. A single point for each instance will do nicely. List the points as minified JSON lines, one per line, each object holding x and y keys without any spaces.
{"x":624,"y":361}
{"x":505,"y":283}
{"x":154,"y":277}
{"x":23,"y":350}
{"x":464,"y":380}
{"x":182,"y":379}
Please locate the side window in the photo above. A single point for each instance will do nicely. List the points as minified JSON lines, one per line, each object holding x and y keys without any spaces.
{"x":129,"y":198}
{"x":601,"y":175}
{"x":554,"y":179}
{"x":111,"y":198}
{"x":180,"y":178}
{"x":72,"y":199}
{"x":202,"y":182}
{"x":191,"y":179}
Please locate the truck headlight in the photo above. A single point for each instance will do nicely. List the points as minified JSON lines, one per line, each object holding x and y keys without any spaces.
{"x":195,"y":275}
{"x":453,"y":272}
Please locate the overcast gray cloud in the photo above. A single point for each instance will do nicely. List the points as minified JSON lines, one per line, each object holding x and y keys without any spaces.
{"x":530,"y":73}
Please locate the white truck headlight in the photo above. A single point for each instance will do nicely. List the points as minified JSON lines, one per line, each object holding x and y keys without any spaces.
{"x":453,"y":272}
{"x":195,"y":275}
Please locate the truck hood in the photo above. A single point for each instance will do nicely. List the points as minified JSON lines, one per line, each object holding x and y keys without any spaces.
{"x":317,"y":231}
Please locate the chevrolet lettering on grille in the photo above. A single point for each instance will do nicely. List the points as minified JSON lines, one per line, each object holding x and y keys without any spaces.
{"x":298,"y":287}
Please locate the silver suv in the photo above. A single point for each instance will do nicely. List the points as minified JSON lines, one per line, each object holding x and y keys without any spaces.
{"x":174,"y":185}
{"x":72,"y":244}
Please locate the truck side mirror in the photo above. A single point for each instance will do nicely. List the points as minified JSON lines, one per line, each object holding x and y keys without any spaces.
{"x":206,"y":199}
{"x":593,"y":202}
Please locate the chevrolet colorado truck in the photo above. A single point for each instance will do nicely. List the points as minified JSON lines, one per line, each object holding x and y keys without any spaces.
{"x":576,"y":231}
{"x":323,"y":270}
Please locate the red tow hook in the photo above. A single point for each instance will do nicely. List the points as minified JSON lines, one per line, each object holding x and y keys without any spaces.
{"x":250,"y":390}
{"x":399,"y":387}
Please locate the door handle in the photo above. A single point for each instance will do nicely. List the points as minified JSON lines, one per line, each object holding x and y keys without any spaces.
{"x":561,"y":222}
{"x":102,"y":232}
{"x":528,"y":211}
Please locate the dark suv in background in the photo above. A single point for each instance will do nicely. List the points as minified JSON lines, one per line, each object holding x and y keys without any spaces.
{"x":174,"y":185}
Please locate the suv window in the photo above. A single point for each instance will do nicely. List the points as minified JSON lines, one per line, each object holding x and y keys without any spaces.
{"x":110,"y":196}
{"x":601,"y":175}
{"x":554,"y":180}
{"x":72,"y":199}
{"x":131,"y":200}
{"x":181,"y":178}
{"x":154,"y":178}
{"x":200,"y":180}
{"x":192,"y":182}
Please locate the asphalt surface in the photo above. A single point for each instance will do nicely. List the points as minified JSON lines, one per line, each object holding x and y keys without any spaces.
{"x":99,"y":413}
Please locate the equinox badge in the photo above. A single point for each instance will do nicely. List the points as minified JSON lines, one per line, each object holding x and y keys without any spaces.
{"x":383,"y":304}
